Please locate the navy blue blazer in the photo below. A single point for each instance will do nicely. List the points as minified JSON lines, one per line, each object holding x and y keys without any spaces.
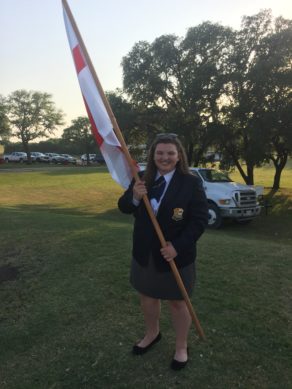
{"x":182,"y":216}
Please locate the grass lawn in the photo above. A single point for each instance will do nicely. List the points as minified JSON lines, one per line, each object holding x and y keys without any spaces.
{"x":68,"y":316}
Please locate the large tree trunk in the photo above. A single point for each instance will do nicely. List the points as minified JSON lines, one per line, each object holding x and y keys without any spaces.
{"x":26,"y":150}
{"x":279,"y":164}
{"x":250,"y":177}
{"x":241,"y":171}
{"x":277,"y":178}
{"x":189,"y":150}
{"x":198,"y":157}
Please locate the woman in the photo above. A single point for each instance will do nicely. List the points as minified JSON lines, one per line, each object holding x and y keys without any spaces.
{"x":180,"y":205}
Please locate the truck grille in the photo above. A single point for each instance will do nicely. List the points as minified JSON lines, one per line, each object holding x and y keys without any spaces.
{"x":245,"y":198}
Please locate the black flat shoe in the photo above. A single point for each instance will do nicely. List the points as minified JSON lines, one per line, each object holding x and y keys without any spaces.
{"x":177,"y":365}
{"x":137,"y":350}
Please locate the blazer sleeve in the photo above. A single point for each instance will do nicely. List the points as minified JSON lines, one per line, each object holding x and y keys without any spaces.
{"x":125,"y":202}
{"x":197,"y":220}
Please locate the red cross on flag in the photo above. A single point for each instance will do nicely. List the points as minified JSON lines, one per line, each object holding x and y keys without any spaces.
{"x":101,"y":125}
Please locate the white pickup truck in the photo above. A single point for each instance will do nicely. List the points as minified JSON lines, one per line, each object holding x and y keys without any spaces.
{"x":16,"y":156}
{"x":228,"y":199}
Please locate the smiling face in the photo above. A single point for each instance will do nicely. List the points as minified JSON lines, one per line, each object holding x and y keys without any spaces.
{"x":165,"y":157}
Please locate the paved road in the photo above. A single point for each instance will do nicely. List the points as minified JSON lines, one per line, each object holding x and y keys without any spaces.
{"x":34,"y":169}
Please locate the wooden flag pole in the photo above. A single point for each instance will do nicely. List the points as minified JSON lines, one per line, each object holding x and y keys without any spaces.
{"x":133,"y":169}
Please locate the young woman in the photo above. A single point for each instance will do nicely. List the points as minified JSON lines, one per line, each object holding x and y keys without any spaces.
{"x":180,"y":205}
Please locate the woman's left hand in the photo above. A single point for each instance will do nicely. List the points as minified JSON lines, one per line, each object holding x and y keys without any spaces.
{"x":168,"y":252}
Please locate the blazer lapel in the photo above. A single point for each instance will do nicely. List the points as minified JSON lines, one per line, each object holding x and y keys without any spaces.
{"x":171,"y":191}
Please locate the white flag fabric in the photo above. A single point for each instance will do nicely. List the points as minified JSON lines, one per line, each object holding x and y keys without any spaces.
{"x":101,"y":126}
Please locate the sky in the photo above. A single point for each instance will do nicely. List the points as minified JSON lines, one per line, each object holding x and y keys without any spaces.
{"x":35,"y":52}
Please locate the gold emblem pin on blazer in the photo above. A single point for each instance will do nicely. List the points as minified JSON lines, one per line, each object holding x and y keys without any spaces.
{"x":177,"y":214}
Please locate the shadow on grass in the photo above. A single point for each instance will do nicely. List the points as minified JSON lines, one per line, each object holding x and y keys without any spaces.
{"x":279,"y":199}
{"x":277,"y":225}
{"x":53,"y":209}
{"x":76,"y":170}
{"x":273,"y":227}
{"x":27,"y":212}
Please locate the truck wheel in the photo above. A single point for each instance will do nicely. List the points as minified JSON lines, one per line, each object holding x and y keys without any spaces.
{"x":214,"y":216}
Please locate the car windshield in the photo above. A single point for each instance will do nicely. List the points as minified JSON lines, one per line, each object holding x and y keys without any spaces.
{"x":211,"y":175}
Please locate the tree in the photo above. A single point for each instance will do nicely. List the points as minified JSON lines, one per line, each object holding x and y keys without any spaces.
{"x":274,"y":86}
{"x":130,"y":121}
{"x":80,"y":133}
{"x":255,"y":116}
{"x":218,"y":87}
{"x":4,"y":121}
{"x":32,"y":115}
{"x":176,"y":83}
{"x":238,"y":132}
{"x":207,"y":49}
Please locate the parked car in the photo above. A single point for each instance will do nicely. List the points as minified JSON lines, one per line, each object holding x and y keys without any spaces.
{"x":99,"y":159}
{"x":16,"y":156}
{"x":92,"y":157}
{"x":69,"y":158}
{"x":39,"y":157}
{"x":55,"y":158}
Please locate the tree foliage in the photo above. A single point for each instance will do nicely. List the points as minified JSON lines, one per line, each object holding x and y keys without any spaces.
{"x":180,"y":80}
{"x":273,"y":75}
{"x":255,"y":92}
{"x":32,"y":115}
{"x":218,"y":87}
{"x":79,"y":133}
{"x":130,"y":121}
{"x":4,"y":121}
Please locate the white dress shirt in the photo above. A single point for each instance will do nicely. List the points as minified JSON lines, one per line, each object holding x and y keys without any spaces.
{"x":154,"y":203}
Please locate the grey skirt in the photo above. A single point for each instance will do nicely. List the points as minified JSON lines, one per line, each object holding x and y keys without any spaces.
{"x":148,"y":281}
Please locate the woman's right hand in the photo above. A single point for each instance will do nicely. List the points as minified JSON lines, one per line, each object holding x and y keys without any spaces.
{"x":139,"y":190}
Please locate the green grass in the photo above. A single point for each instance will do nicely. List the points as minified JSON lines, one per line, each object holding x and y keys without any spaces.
{"x":70,"y":318}
{"x":264,"y":176}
